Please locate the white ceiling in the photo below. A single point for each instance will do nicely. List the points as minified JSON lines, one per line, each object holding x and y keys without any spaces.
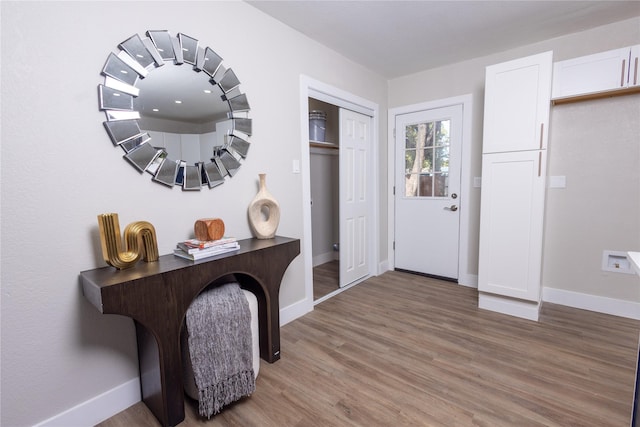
{"x":396,"y":38}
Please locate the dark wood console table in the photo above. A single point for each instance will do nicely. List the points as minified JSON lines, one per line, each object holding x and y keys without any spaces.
{"x":156,"y":296}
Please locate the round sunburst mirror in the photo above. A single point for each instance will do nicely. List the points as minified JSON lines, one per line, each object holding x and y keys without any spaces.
{"x":175,"y":110}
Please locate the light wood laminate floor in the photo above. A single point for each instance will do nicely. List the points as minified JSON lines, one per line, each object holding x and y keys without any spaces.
{"x":405,"y":350}
{"x":326,"y":279}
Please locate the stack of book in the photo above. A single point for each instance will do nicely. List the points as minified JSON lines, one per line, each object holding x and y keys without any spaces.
{"x":194,"y":249}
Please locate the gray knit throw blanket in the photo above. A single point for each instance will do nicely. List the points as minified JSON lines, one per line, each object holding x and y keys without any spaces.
{"x":219,"y":328}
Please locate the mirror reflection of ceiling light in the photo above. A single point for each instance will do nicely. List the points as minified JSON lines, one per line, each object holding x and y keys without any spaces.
{"x":207,"y":91}
{"x":178,"y":102}
{"x":156,"y":110}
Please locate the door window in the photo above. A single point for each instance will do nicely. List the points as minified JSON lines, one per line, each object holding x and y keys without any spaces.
{"x":426,"y":155}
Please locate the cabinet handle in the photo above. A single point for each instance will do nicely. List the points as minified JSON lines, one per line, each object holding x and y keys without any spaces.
{"x":539,"y":163}
{"x":541,"y":132}
{"x":624,"y":61}
{"x":635,"y":73}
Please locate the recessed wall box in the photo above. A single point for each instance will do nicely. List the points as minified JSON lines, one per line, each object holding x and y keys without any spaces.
{"x":616,"y":261}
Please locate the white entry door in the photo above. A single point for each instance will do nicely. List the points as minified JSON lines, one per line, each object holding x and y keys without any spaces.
{"x":355,"y":195}
{"x":427,"y":191}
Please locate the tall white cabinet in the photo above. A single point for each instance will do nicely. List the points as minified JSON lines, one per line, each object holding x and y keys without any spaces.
{"x":516,"y":123}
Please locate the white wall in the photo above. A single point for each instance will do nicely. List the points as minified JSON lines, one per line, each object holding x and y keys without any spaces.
{"x":468,"y":77}
{"x":596,"y":146}
{"x":59,"y":171}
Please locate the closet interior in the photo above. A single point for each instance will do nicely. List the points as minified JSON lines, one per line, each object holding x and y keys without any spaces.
{"x":325,"y":183}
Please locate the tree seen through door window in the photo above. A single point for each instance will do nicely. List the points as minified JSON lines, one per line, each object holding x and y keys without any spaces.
{"x":427,"y":159}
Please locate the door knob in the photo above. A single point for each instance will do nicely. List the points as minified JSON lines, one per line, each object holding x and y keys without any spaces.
{"x":452,"y":208}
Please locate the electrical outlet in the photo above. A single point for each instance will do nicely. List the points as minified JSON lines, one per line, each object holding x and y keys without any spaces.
{"x":616,"y":261}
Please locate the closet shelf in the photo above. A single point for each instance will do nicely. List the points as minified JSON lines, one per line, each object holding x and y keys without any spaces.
{"x":320,"y":144}
{"x":596,"y":95}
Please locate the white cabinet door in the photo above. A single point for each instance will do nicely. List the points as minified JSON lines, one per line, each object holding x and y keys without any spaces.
{"x":516,"y":104}
{"x":511,"y":224}
{"x":592,"y":73}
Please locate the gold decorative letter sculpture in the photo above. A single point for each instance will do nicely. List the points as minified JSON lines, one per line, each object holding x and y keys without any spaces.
{"x":139,"y":239}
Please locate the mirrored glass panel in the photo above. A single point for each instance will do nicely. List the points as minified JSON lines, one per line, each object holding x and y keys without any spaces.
{"x":142,"y":156}
{"x":137,"y":50}
{"x":189,"y":47}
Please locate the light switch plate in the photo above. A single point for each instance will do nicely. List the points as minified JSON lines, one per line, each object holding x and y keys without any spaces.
{"x":558,"y":181}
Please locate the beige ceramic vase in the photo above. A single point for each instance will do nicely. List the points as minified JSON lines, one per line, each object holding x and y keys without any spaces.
{"x":264,"y":212}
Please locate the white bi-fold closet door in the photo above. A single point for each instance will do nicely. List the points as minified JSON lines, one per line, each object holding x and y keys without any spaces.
{"x":355,"y":195}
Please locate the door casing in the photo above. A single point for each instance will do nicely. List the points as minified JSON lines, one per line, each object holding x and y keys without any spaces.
{"x":313,"y":88}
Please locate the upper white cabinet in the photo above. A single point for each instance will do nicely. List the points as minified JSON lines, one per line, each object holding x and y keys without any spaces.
{"x":516,"y":106}
{"x":605,"y":71}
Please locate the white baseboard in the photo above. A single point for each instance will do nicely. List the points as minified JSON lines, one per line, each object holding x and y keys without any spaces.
{"x":295,"y":310}
{"x":383,"y":266}
{"x":98,"y":408}
{"x":524,"y":309}
{"x":469,"y":280}
{"x":595,"y":303}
